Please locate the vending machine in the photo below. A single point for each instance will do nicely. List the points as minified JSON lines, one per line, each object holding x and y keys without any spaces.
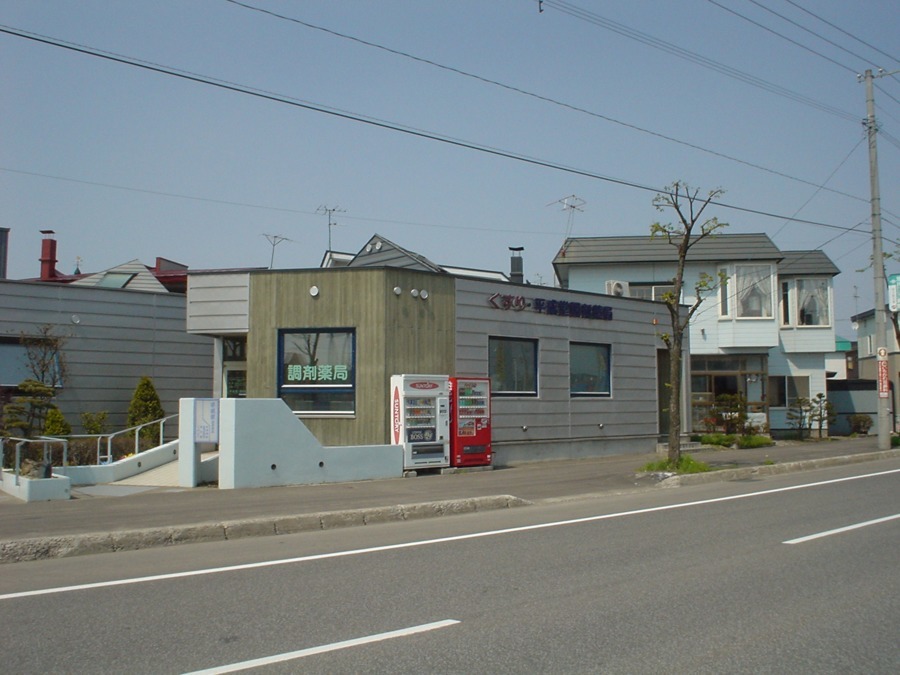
{"x":470,"y":421}
{"x":420,"y":419}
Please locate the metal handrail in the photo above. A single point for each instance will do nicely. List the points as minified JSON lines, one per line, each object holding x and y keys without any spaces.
{"x":107,"y":458}
{"x":47,"y":456}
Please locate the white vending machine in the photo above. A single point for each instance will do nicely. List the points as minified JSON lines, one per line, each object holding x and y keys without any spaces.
{"x":420,"y":419}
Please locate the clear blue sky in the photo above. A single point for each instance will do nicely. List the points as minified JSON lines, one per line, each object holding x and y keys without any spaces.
{"x":126,"y":163}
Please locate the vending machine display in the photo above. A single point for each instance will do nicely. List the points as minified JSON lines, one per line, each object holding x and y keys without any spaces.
{"x":420,"y":419}
{"x":470,"y":427}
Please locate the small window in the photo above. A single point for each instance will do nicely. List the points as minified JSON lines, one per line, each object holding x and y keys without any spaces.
{"x":317,"y":375}
{"x":812,"y":302}
{"x":785,"y":303}
{"x":784,"y":390}
{"x":512,"y":364}
{"x":115,"y":279}
{"x":589,"y":369}
{"x":724,"y":309}
{"x":753,"y":291}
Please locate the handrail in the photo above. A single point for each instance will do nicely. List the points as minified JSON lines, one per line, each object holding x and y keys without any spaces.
{"x":45,"y":440}
{"x":107,"y":458}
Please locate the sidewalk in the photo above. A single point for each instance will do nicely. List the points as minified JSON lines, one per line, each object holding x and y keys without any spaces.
{"x":146,"y":516}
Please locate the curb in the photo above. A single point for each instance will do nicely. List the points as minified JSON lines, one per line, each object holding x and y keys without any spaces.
{"x":64,"y":546}
{"x":750,"y":472}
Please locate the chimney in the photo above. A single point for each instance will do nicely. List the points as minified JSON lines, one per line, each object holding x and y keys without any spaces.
{"x":4,"y":250}
{"x":48,"y":256}
{"x":516,"y":273}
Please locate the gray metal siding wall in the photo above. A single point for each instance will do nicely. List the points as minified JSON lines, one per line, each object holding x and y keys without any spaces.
{"x":113,"y":338}
{"x":559,"y":425}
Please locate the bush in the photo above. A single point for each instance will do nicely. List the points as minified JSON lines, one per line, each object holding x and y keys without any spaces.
{"x":686,"y":464}
{"x":723,"y":440}
{"x":55,"y":424}
{"x":859,"y":423}
{"x":755,"y":441}
{"x":94,"y":423}
{"x":145,"y":407}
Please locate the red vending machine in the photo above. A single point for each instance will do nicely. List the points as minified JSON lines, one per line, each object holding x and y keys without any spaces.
{"x":470,"y":421}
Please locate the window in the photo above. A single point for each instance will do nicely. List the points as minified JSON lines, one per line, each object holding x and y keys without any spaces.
{"x":753,"y":291}
{"x":785,"y":303}
{"x":317,"y":374}
{"x":724,"y":309}
{"x":649,"y":291}
{"x":812,"y":302}
{"x":589,"y":369}
{"x":784,"y":390}
{"x":115,"y":279}
{"x":512,"y":364}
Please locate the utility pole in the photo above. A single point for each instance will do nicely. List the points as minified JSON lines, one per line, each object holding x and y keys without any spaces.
{"x":885,"y":421}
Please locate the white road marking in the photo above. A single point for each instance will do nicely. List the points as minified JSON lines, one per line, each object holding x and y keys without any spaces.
{"x":334,"y":646}
{"x":803,"y":540}
{"x":426,"y":542}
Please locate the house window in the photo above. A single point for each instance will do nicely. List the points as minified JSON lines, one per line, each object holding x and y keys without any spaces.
{"x":785,"y":390}
{"x":812,"y":302}
{"x":317,"y":376}
{"x":785,"y":303}
{"x":512,"y":365}
{"x":589,"y":369}
{"x":753,"y":291}
{"x":723,"y":293}
{"x":649,"y":291}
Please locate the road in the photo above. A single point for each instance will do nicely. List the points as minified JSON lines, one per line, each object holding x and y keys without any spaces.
{"x":709,"y":579}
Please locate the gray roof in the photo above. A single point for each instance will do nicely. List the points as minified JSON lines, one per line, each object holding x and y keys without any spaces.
{"x":644,"y":249}
{"x":804,"y":263}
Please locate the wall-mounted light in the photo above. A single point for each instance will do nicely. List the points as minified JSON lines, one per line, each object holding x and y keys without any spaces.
{"x":314,"y":291}
{"x":397,"y":290}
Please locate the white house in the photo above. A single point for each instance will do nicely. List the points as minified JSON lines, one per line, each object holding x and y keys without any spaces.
{"x":764,"y":333}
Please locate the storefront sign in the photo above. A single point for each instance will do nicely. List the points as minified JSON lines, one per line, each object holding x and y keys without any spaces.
{"x":578,"y":310}
{"x":884,"y":384}
{"x":321,"y":373}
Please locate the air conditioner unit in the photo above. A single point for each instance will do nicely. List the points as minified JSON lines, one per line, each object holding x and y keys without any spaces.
{"x":618,"y":288}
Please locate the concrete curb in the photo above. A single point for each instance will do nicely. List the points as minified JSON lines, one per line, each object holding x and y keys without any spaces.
{"x":63,"y":546}
{"x":750,"y":472}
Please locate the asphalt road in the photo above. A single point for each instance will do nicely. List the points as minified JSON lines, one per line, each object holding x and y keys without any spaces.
{"x":695,"y":580}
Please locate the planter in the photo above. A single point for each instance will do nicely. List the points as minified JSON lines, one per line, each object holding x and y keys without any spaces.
{"x":36,"y":489}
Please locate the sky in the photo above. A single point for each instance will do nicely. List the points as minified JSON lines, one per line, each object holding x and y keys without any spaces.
{"x":454,"y":129}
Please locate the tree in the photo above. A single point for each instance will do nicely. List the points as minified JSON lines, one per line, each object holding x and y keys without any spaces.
{"x":55,"y":423}
{"x":822,"y":413}
{"x":689,"y":229}
{"x":799,"y":416}
{"x":145,"y":406}
{"x":45,"y":356}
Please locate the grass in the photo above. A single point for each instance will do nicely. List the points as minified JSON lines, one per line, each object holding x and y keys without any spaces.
{"x":687,"y":464}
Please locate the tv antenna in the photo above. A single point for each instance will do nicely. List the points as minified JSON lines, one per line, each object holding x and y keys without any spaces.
{"x":329,"y":212}
{"x":572,"y":203}
{"x":274,"y":240}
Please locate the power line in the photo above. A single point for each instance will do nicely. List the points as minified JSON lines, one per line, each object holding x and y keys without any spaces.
{"x":539,"y":97}
{"x":693,"y":57}
{"x":784,"y":37}
{"x":838,"y":28}
{"x":381,"y":124}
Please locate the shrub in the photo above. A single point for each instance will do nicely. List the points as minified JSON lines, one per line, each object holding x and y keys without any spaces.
{"x":145,"y":407}
{"x":723,"y":440}
{"x":55,"y":424}
{"x":755,"y":441}
{"x":859,"y":423}
{"x":686,"y":464}
{"x":94,"y":423}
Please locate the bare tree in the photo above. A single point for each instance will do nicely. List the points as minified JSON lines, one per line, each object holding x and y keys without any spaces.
{"x":689,"y":229}
{"x":45,"y":356}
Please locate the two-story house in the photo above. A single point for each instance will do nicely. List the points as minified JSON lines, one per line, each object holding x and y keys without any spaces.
{"x":764,"y":333}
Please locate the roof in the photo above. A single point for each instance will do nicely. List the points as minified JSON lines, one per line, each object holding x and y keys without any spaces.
{"x":648,"y":249}
{"x":382,"y":252}
{"x":804,"y":263}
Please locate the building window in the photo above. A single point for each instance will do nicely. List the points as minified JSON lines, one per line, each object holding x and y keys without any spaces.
{"x":512,"y":364}
{"x":785,"y":303}
{"x":812,"y":302}
{"x":649,"y":291}
{"x":318,"y":371}
{"x":753,"y":291}
{"x":589,"y":369}
{"x":785,"y":390}
{"x":724,"y":307}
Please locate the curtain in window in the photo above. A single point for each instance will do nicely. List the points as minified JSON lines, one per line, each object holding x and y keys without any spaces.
{"x":812,"y":301}
{"x":753,"y":290}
